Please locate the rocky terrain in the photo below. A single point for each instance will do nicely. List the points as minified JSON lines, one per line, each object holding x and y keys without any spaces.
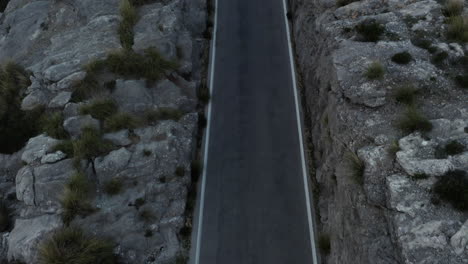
{"x":99,"y":122}
{"x":386,"y":106}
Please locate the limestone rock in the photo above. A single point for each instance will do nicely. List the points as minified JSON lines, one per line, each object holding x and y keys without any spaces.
{"x":60,"y":100}
{"x":75,"y":124}
{"x":37,"y":147}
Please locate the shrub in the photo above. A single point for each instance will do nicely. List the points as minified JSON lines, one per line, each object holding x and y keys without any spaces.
{"x":52,"y":125}
{"x":100,"y":108}
{"x":462,"y":81}
{"x":375,"y":71}
{"x":139,"y":202}
{"x":129,"y":19}
{"x":71,"y":245}
{"x":457,"y":29}
{"x":341,"y":3}
{"x":324,"y":243}
{"x":146,"y":215}
{"x":421,"y":42}
{"x":120,"y":121}
{"x":16,"y":126}
{"x":180,"y":171}
{"x":147,"y":152}
{"x":453,"y":188}
{"x":90,"y":144}
{"x":4,"y":217}
{"x":3,"y":5}
{"x":406,"y":94}
{"x":113,"y":187}
{"x":154,"y":116}
{"x":420,"y":176}
{"x":370,"y":31}
{"x":86,"y":88}
{"x":394,"y":148}
{"x":75,"y":199}
{"x":439,"y":57}
{"x":454,"y":148}
{"x":148,"y":233}
{"x":204,"y":94}
{"x":196,"y":168}
{"x":453,"y":8}
{"x":412,"y":121}
{"x":356,"y":166}
{"x":402,"y":58}
{"x":66,"y":146}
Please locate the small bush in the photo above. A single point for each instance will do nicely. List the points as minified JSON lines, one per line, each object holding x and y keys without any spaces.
{"x":75,"y":199}
{"x":412,"y":121}
{"x":148,"y":233}
{"x":406,"y":94}
{"x":457,"y":29}
{"x":147,"y":152}
{"x":439,"y":57}
{"x":90,"y":144}
{"x":86,"y":88}
{"x":454,"y":148}
{"x":180,"y":171}
{"x":139,"y":202}
{"x":5,"y":220}
{"x":402,"y":58}
{"x":113,"y":187}
{"x":204,"y":94}
{"x":394,"y":148}
{"x":72,"y":246}
{"x":129,"y":19}
{"x":154,"y":116}
{"x":324,"y":243}
{"x":66,"y":146}
{"x":462,"y":81}
{"x":196,"y":168}
{"x":421,"y":42}
{"x":341,"y":3}
{"x":100,"y":108}
{"x":420,"y":176}
{"x":52,"y":125}
{"x":146,"y":215}
{"x":370,"y":31}
{"x":453,"y":188}
{"x":356,"y":167}
{"x":453,"y":8}
{"x":120,"y":121}
{"x":375,"y":71}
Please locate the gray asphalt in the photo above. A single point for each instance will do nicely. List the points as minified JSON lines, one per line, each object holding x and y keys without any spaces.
{"x":255,"y":208}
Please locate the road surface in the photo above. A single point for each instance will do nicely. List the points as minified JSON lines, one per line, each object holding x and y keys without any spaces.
{"x":254,"y":201}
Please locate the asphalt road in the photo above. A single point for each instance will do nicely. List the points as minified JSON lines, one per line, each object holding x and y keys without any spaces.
{"x":255,"y":204}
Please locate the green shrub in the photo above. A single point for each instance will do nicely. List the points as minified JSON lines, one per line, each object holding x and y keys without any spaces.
{"x":113,"y":186}
{"x":129,"y":19}
{"x":75,"y":199}
{"x":356,"y":167}
{"x":196,"y":168}
{"x":439,"y":57}
{"x":454,"y":148}
{"x":462,"y":81}
{"x":453,"y":188}
{"x":16,"y":126}
{"x":66,"y":146}
{"x":412,"y":121}
{"x":406,"y":94}
{"x":52,"y":125}
{"x":90,"y":144}
{"x":147,"y":152}
{"x":421,"y":42}
{"x":71,"y":245}
{"x":370,"y":31}
{"x":375,"y":71}
{"x":120,"y":121}
{"x":402,"y":58}
{"x":394,"y":148}
{"x":324,"y":243}
{"x":5,"y":220}
{"x":86,"y":88}
{"x":204,"y":94}
{"x":139,"y":202}
{"x":180,"y":171}
{"x":154,"y":116}
{"x":146,"y":215}
{"x":100,"y":108}
{"x":148,"y":233}
{"x":457,"y":29}
{"x":453,"y":8}
{"x":420,"y":176}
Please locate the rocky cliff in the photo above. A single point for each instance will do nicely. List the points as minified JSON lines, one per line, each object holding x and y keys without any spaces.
{"x":386,"y":103}
{"x":103,"y":99}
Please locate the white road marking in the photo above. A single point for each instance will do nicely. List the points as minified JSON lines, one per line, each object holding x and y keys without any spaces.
{"x":299,"y":129}
{"x":207,"y":137}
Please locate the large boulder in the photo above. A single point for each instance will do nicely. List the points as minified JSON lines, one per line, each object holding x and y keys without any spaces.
{"x":37,"y":147}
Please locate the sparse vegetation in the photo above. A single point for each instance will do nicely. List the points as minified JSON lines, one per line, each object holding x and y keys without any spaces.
{"x":148,"y":233}
{"x":356,"y":167}
{"x":406,"y":94}
{"x":66,"y":146}
{"x":453,"y":188}
{"x":87,"y":87}
{"x":324,"y":243}
{"x":113,"y":186}
{"x":100,"y":108}
{"x":375,"y":71}
{"x":402,"y":58}
{"x":147,"y":152}
{"x":120,"y":121}
{"x":196,"y":169}
{"x":457,"y":29}
{"x":52,"y":125}
{"x":341,"y":3}
{"x":462,"y":80}
{"x":146,"y":215}
{"x":75,"y":199}
{"x":139,"y":202}
{"x":439,"y":57}
{"x":420,"y":176}
{"x":394,"y":148}
{"x":90,"y":144}
{"x":412,"y":120}
{"x":154,"y":116}
{"x":204,"y":94}
{"x":370,"y":31}
{"x":5,"y":220}
{"x":71,"y":245}
{"x":454,"y":148}
{"x":180,"y":171}
{"x":453,"y":8}
{"x":129,"y":19}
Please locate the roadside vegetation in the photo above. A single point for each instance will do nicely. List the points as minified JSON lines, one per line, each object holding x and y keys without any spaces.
{"x":324,"y":243}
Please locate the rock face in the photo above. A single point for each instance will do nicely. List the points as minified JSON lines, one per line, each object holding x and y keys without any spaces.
{"x":392,"y":217}
{"x":144,"y":214}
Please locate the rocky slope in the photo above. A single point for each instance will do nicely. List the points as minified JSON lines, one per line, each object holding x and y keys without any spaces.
{"x":385,"y":173}
{"x":141,"y":176}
